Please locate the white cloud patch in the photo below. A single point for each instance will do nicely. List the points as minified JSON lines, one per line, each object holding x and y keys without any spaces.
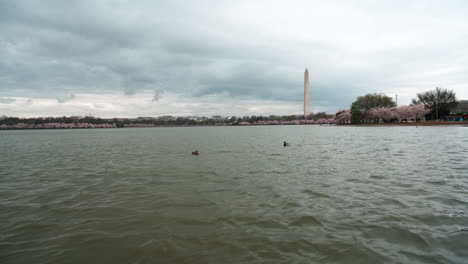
{"x":7,"y":100}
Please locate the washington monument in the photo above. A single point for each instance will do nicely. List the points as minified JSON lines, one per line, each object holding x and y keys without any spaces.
{"x":306,"y":93}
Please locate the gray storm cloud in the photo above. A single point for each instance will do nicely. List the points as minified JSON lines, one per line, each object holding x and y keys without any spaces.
{"x":66,"y":98}
{"x":242,"y":49}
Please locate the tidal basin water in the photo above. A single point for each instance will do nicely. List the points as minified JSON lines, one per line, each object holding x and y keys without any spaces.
{"x":335,"y":195}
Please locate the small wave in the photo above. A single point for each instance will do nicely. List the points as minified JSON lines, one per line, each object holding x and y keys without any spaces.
{"x":379,"y":177}
{"x":187,"y":205}
{"x":266,"y":205}
{"x":398,"y":235}
{"x":222,"y":190}
{"x":291,"y":205}
{"x":390,"y":219}
{"x":316,"y":194}
{"x":386,"y":202}
{"x":460,"y":168}
{"x":405,"y":185}
{"x":306,"y":220}
{"x":448,"y":200}
{"x":266,"y":254}
{"x":224,"y":151}
{"x":437,"y":182}
{"x":195,"y":222}
{"x":278,"y":172}
{"x":422,"y":257}
{"x":354,"y":180}
{"x":255,"y":172}
{"x":270,"y":223}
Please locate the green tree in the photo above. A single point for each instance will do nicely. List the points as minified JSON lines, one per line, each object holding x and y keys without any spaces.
{"x":439,"y":101}
{"x":366,"y":102}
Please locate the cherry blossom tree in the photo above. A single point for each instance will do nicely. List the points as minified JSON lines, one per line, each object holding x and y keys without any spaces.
{"x":405,"y":112}
{"x":388,"y":113}
{"x":343,"y":116}
{"x":419,"y":110}
{"x":372,"y":114}
{"x":385,"y":114}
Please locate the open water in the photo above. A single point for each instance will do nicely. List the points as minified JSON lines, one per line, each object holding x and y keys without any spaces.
{"x":336,"y":195}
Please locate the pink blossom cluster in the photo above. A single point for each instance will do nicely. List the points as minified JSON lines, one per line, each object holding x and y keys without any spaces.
{"x":273,"y":122}
{"x":343,"y":117}
{"x":139,"y":125}
{"x":292,"y":122}
{"x":386,"y":114}
{"x":406,"y":112}
{"x":55,"y":125}
{"x":325,"y":121}
{"x":381,"y":113}
{"x":411,"y":112}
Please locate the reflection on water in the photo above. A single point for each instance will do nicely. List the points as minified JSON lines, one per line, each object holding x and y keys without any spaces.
{"x":337,"y":194}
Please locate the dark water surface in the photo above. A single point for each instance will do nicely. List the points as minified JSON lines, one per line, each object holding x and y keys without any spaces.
{"x":336,"y":195}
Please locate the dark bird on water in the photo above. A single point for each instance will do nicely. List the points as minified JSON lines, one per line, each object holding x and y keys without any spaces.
{"x":195,"y":153}
{"x":285,"y":144}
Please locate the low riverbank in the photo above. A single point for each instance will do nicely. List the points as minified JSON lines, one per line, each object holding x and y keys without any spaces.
{"x":422,"y":123}
{"x":109,"y":126}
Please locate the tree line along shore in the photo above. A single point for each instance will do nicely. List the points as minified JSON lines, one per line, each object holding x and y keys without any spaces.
{"x":439,"y":105}
{"x":165,"y":121}
{"x":434,"y":107}
{"x":21,"y":126}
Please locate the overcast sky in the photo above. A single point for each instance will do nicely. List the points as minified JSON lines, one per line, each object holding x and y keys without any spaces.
{"x":208,"y":57}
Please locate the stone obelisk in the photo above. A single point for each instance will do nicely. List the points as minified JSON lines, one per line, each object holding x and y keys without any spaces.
{"x":306,"y":93}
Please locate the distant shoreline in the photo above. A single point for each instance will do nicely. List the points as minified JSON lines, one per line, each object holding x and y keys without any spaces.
{"x":422,"y":123}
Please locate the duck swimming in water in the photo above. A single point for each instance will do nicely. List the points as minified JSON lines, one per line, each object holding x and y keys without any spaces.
{"x":195,"y":153}
{"x":285,"y":144}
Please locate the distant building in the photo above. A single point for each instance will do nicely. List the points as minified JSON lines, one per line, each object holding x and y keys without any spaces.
{"x":461,"y":108}
{"x":217,"y":118}
{"x":195,"y":118}
{"x":146,"y":118}
{"x":166,"y":118}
